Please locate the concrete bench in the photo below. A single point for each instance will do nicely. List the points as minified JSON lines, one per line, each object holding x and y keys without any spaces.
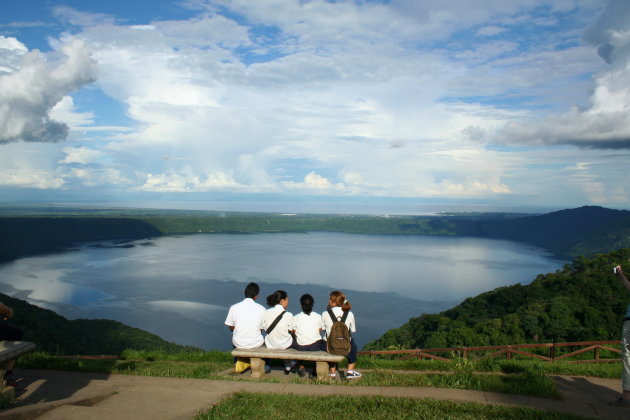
{"x":256,"y":356}
{"x":10,"y":350}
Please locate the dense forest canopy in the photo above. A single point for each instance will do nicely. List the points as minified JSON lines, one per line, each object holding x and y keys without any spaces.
{"x":582,"y":301}
{"x":55,"y":334}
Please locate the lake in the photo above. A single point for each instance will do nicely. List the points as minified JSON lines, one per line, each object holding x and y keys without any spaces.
{"x":180,"y":287}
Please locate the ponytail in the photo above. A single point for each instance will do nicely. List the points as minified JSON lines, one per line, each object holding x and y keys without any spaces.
{"x":339,"y":299}
{"x":275,"y":298}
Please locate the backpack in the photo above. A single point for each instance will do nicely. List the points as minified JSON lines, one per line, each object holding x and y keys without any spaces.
{"x":338,"y":341}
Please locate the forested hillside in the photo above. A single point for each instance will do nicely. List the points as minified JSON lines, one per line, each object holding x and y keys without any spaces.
{"x":55,"y":334}
{"x":583,"y":301}
{"x":566,"y":233}
{"x":21,"y":236}
{"x":570,"y":233}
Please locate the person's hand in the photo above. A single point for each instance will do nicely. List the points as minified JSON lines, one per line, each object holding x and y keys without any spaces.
{"x":618,"y":271}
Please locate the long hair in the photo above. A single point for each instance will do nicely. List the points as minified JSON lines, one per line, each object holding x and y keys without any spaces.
{"x":275,"y":298}
{"x":307,"y":302}
{"x":339,"y":299}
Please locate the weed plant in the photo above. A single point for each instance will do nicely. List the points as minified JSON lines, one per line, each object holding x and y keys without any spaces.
{"x":283,"y":407}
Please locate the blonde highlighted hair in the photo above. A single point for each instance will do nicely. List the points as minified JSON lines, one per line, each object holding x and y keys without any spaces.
{"x":337,"y":298}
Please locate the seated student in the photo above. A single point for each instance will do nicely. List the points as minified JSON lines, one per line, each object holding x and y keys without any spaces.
{"x":339,"y":306}
{"x":277,"y":323}
{"x":8,"y":332}
{"x":307,"y":328}
{"x":245,"y":320}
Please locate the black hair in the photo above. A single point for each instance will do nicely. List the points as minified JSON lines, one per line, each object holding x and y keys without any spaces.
{"x":252,"y":290}
{"x":275,"y":298}
{"x":307,"y":303}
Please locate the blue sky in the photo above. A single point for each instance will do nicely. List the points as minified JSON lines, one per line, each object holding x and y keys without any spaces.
{"x":455,"y":102}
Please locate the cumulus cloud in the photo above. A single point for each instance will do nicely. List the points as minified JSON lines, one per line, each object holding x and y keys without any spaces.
{"x":605,"y":122}
{"x":81,"y":155}
{"x":28,"y":94}
{"x":186,"y":182}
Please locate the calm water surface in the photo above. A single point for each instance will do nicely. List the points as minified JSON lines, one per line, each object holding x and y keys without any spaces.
{"x":180,"y":287}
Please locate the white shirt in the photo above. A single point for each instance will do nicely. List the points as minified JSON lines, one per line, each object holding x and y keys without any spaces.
{"x":307,"y":328}
{"x":280,"y":338}
{"x":338,"y":312}
{"x":247,"y":319}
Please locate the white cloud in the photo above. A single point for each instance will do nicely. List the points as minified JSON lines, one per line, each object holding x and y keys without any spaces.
{"x":28,"y":94}
{"x":178,"y":182}
{"x":605,"y":122}
{"x":81,"y":155}
{"x":392,"y":99}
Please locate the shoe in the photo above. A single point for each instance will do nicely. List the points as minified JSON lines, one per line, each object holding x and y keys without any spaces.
{"x":620,"y":402}
{"x":311,"y":375}
{"x":287,"y":371}
{"x":267,"y":368}
{"x":352,"y":374}
{"x":332,"y":375}
{"x":301,"y":372}
{"x":9,"y":380}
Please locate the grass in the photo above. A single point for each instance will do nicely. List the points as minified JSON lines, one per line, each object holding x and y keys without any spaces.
{"x":524,"y":377}
{"x":197,"y":365}
{"x":280,"y":406}
{"x":522,"y":380}
{"x":600,"y":370}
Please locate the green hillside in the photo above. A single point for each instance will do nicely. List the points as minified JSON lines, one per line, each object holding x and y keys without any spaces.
{"x":57,"y":335}
{"x":21,"y":236}
{"x":583,"y":301}
{"x":569,"y":233}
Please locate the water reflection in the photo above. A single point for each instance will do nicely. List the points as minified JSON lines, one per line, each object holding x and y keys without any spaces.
{"x":180,"y":287}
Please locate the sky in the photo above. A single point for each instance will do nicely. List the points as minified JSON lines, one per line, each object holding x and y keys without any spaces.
{"x":360,"y":104}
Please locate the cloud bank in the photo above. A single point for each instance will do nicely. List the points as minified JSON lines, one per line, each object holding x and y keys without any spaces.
{"x":31,"y":89}
{"x":605,"y":122}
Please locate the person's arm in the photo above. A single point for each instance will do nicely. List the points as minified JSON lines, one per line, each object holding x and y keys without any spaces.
{"x":7,"y":313}
{"x":229,"y":320}
{"x":623,"y":278}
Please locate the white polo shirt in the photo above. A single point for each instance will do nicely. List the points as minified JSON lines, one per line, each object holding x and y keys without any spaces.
{"x":338,"y":312}
{"x":247,"y":319}
{"x":280,"y":338}
{"x":307,"y":328}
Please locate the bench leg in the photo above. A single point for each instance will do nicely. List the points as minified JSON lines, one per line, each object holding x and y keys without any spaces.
{"x":258,"y":367}
{"x":321,"y":368}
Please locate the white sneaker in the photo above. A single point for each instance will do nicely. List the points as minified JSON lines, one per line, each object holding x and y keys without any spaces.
{"x":352,"y":374}
{"x":332,"y":375}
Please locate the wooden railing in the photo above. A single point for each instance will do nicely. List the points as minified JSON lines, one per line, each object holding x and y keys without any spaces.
{"x":509,"y":351}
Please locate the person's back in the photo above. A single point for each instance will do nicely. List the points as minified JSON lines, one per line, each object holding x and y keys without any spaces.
{"x":308,"y":326}
{"x":279,"y":337}
{"x":245,"y":320}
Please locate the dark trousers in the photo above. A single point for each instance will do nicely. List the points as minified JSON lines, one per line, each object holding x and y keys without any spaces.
{"x":10,"y":332}
{"x":316,"y":346}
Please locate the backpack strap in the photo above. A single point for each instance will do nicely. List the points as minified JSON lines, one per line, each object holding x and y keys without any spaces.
{"x":333,"y":318}
{"x":275,"y":322}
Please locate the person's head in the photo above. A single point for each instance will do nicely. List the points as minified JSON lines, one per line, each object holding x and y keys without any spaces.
{"x":252,"y":290}
{"x":337,"y":298}
{"x":307,"y":302}
{"x":278,"y":297}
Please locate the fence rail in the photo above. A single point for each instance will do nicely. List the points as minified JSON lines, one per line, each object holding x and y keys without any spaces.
{"x":509,"y":350}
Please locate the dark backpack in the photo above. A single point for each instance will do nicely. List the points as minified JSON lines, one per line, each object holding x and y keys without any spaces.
{"x":338,"y":341}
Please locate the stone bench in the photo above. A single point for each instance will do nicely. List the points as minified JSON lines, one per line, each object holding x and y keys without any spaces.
{"x":10,"y":350}
{"x":257,"y":356}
